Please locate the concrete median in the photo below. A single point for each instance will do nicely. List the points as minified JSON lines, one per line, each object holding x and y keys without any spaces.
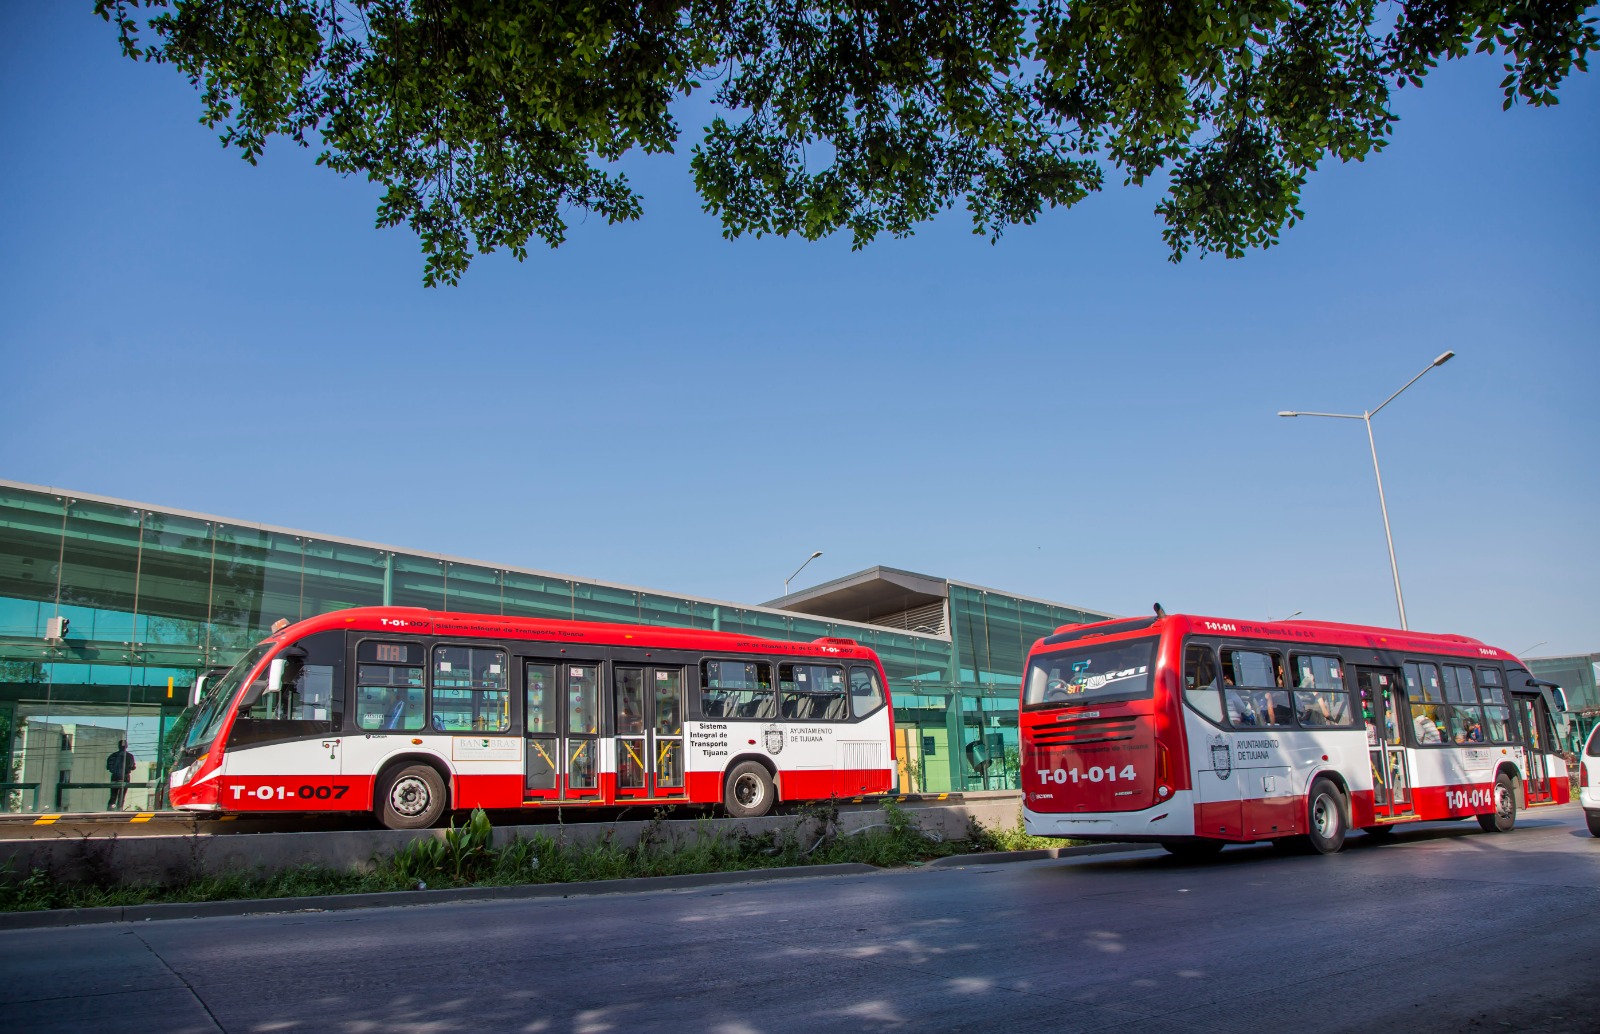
{"x":107,"y":859}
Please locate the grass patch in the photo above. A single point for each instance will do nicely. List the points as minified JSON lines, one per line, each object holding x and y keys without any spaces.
{"x":1014,"y":839}
{"x":465,"y":856}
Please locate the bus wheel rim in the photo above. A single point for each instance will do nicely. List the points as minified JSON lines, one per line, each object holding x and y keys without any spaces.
{"x":1324,"y":818}
{"x":747,"y":790}
{"x":409,"y":797}
{"x":1502,"y":800}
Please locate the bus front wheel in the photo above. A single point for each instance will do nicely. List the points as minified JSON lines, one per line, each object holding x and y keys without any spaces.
{"x":411,"y":797}
{"x":748,"y":793}
{"x":1504,"y":816}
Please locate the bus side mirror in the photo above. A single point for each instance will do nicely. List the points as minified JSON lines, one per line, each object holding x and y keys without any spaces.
{"x":274,"y":682}
{"x":197,"y":691}
{"x":1560,"y":697}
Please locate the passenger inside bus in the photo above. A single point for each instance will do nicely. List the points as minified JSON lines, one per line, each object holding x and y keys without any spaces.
{"x":1241,"y":706}
{"x":1271,"y":710}
{"x":1426,"y":728}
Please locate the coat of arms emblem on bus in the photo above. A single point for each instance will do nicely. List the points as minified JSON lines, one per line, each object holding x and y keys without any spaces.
{"x":1221,"y":757}
{"x":772,"y":735}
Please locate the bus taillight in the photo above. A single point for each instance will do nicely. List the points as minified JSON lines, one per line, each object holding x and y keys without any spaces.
{"x":1163,"y":770}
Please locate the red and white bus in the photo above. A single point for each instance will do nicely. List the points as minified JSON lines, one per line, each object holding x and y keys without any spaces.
{"x":1197,"y":732}
{"x":409,"y":713}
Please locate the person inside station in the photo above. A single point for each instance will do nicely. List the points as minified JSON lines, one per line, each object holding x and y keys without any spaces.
{"x":120,"y":764}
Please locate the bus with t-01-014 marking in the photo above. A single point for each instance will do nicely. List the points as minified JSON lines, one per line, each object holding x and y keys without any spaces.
{"x":410,"y":713}
{"x":1197,"y":732}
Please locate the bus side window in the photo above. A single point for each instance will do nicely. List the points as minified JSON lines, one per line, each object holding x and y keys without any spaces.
{"x":1427,"y":703}
{"x":1200,"y":681}
{"x":1320,"y":696}
{"x":737,"y":689}
{"x":389,"y":689}
{"x":469,"y":690}
{"x":1259,"y":698}
{"x":811,"y":692}
{"x":1466,"y":717}
{"x":1496,"y":712}
{"x":866,"y":696}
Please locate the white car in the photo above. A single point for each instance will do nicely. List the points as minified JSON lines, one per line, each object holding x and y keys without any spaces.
{"x":1589,"y":781}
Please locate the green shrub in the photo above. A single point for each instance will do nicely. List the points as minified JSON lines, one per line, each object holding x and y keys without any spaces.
{"x":465,"y":855}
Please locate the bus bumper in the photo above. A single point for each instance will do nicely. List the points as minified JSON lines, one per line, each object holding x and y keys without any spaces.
{"x":1170,"y":818}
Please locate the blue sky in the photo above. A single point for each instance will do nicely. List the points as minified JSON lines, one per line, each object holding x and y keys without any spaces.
{"x":1064,"y":415}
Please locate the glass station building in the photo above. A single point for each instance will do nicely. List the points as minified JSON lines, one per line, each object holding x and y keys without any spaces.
{"x":1579,"y":678}
{"x":152,"y":597}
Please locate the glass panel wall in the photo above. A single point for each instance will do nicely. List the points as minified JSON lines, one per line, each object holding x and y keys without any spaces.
{"x":338,"y":576}
{"x":533,"y":596}
{"x":175,"y":584}
{"x":416,"y":582}
{"x":473,"y":590}
{"x":154,"y":597}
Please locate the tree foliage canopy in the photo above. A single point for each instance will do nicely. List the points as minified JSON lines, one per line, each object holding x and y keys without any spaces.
{"x":488,"y":122}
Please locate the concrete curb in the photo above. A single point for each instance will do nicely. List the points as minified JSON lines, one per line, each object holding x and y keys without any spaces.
{"x":957,"y":861}
{"x":391,"y":899}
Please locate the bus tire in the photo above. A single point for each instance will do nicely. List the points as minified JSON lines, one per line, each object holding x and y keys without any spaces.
{"x":748,"y":793}
{"x":1504,"y":817}
{"x":1325,"y":817}
{"x":1593,"y":818}
{"x":411,"y":797}
{"x":1197,"y":849}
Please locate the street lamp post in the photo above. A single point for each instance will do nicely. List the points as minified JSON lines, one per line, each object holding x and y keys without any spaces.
{"x":797,"y":570}
{"x":1366,"y":418}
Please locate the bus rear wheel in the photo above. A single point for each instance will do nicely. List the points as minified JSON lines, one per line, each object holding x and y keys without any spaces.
{"x":1504,"y":816}
{"x":748,"y":793}
{"x":410,"y":797}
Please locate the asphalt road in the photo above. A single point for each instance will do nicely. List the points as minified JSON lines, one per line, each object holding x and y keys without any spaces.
{"x":1442,"y":928}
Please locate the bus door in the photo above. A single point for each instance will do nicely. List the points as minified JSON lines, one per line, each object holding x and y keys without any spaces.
{"x":562,"y":739}
{"x":1528,"y":712}
{"x":647,"y":714}
{"x":1383,"y":706}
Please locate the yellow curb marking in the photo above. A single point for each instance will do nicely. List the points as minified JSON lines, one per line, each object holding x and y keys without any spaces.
{"x":45,"y":820}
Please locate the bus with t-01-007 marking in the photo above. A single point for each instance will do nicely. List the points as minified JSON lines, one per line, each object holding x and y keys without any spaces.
{"x":410,"y":713}
{"x":1197,"y":732}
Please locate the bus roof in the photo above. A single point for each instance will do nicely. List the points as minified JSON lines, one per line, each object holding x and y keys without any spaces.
{"x":1333,"y":633}
{"x":450,"y":624}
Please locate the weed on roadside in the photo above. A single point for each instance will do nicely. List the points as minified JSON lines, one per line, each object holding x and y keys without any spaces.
{"x":466,"y":855}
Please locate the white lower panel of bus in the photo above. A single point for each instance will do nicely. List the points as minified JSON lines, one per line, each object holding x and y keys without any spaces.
{"x":1172,"y":818}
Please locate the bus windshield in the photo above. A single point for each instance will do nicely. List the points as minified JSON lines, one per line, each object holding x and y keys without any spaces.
{"x":214,"y":707}
{"x":1091,"y":674}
